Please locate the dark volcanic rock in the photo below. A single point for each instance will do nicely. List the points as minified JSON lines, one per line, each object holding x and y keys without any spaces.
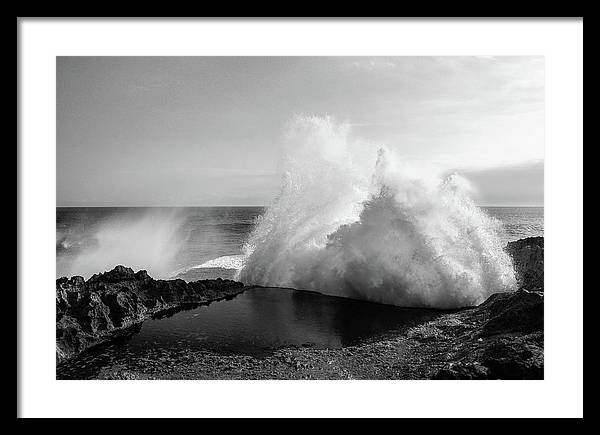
{"x":515,"y":357}
{"x":111,"y":303}
{"x":514,"y":335}
{"x":522,"y":311}
{"x":528,"y":258}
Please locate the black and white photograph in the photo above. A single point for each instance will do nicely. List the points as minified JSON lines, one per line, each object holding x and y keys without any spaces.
{"x":209,"y":226}
{"x":279,"y":217}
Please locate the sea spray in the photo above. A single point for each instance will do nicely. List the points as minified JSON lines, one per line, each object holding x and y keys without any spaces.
{"x":352,"y":220}
{"x":147,"y":239}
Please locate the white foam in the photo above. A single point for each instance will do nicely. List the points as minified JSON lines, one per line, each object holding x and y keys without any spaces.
{"x":225,"y":262}
{"x":231,"y":262}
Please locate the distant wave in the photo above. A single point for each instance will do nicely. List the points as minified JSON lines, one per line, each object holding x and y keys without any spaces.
{"x":224,"y":262}
{"x":66,"y":241}
{"x":63,"y":244}
{"x":232,"y":262}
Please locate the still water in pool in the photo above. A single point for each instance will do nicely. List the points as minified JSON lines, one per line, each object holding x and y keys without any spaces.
{"x":255,"y":323}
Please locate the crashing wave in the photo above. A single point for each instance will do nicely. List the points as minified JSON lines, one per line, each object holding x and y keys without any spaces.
{"x":351,"y":220}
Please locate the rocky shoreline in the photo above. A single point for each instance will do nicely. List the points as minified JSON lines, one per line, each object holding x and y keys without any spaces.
{"x":109,"y":304}
{"x":501,"y":338}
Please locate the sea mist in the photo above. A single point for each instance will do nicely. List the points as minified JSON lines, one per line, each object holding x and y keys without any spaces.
{"x":148,"y":239}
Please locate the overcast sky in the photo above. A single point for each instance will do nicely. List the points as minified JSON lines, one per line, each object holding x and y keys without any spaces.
{"x":207,"y":130}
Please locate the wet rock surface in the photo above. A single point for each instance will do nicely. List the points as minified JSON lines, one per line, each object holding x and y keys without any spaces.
{"x":501,"y":338}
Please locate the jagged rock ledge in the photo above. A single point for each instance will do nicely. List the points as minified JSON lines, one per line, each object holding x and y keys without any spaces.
{"x":112,"y":303}
{"x":528,"y":258}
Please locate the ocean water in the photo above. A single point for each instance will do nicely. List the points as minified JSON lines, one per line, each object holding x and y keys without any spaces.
{"x":192,"y":242}
{"x":518,"y":222}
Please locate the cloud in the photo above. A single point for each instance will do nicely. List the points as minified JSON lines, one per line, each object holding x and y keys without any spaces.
{"x":521,"y":184}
